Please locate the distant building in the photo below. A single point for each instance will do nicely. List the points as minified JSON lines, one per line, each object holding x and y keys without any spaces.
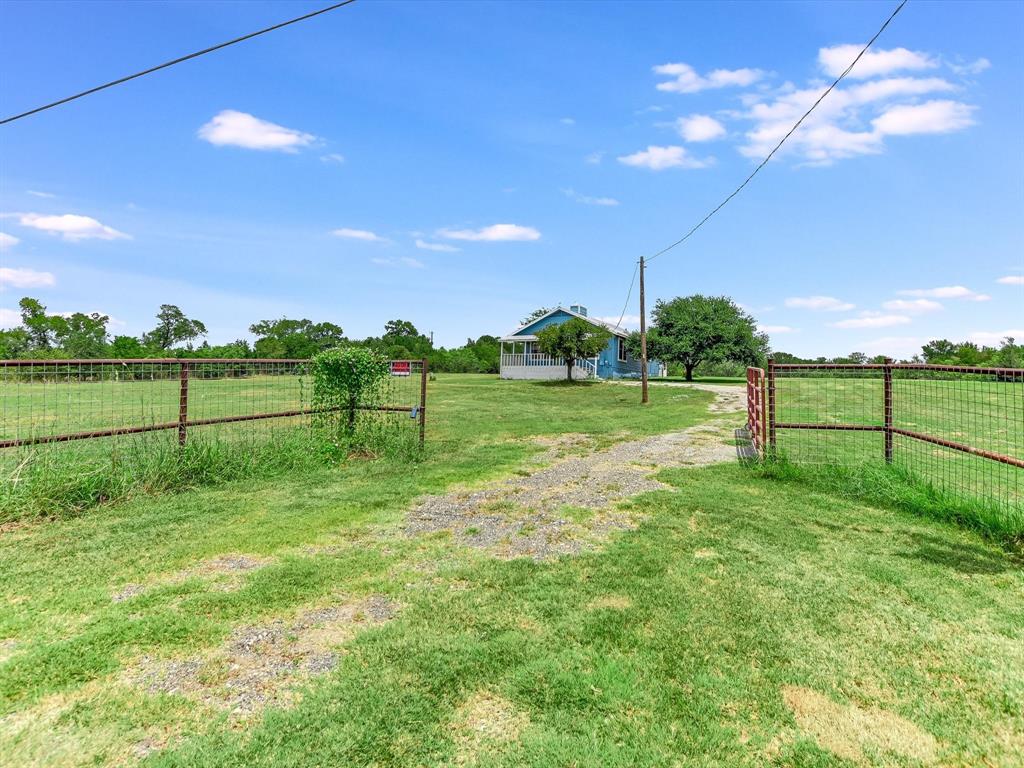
{"x":521,"y":359}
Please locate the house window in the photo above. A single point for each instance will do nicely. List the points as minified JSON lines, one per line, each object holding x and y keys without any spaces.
{"x":622,"y":350}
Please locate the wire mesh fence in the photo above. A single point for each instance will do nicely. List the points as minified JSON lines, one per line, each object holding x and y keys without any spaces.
{"x":961,"y":429}
{"x":78,"y":423}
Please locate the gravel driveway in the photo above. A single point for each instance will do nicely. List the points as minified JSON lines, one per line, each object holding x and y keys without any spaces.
{"x":573,"y":503}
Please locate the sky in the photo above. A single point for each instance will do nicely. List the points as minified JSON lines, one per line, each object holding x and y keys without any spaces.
{"x":460,"y":164}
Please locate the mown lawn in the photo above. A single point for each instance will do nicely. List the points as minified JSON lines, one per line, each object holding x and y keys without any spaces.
{"x":747,"y":621}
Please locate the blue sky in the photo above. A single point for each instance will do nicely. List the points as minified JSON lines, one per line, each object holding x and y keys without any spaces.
{"x":458,"y":164}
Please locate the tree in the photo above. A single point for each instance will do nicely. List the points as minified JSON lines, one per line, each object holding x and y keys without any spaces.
{"x":572,"y":339}
{"x":81,"y":335}
{"x":400,"y":329}
{"x":694,"y":329}
{"x":295,"y":338}
{"x":938,"y":351}
{"x":127,"y":347}
{"x":535,"y":315}
{"x":40,"y":327}
{"x":173,"y":327}
{"x":1010,"y":354}
{"x":14,"y":343}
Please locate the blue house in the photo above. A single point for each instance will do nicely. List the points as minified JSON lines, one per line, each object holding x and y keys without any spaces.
{"x":521,"y":359}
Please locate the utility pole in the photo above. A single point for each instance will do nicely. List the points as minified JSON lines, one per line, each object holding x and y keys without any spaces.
{"x":643,"y":336}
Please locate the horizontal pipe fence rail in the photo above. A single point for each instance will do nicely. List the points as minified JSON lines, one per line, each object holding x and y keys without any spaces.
{"x":961,"y":428}
{"x":60,"y":401}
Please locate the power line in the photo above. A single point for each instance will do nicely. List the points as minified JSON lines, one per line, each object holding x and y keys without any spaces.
{"x":629,"y":295}
{"x":176,"y":61}
{"x":792,"y":130}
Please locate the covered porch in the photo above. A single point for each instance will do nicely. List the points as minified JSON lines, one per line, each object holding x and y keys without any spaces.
{"x":521,"y":359}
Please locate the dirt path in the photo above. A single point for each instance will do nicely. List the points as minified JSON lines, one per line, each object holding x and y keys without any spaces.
{"x":572,"y":504}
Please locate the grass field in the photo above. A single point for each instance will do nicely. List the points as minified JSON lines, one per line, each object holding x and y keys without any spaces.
{"x":746,"y":621}
{"x":983,"y":414}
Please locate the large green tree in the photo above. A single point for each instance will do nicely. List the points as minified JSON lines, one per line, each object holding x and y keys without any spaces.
{"x":40,"y":327}
{"x":82,"y":335}
{"x":172,"y":328}
{"x":572,"y":339}
{"x":699,"y":329}
{"x":298,"y":339}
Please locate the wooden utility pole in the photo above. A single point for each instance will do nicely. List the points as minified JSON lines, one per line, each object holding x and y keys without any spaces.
{"x":643,"y":336}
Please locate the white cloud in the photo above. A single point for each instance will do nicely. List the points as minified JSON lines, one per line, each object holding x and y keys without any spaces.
{"x":594,"y":158}
{"x":819,"y":303}
{"x":872,"y":320}
{"x":492,"y":234}
{"x":71,"y":226}
{"x":836,"y":59}
{"x":239,"y":129}
{"x":587,"y":200}
{"x":769,"y":329}
{"x":945,"y":292}
{"x":912,"y":305}
{"x":334,"y":158}
{"x":993,"y":338}
{"x":9,"y":318}
{"x":686,"y":80}
{"x":359,"y":234}
{"x":836,"y":129}
{"x":1008,"y":280}
{"x":700,"y":128}
{"x":406,"y":261}
{"x":440,"y":247}
{"x":939,"y":116}
{"x":567,"y":121}
{"x":7,"y":241}
{"x":37,"y":193}
{"x":975,"y":67}
{"x":25,"y":278}
{"x":660,"y":158}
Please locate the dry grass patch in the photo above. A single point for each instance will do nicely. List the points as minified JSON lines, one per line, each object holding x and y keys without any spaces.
{"x":612,"y":602}
{"x":226,"y":572}
{"x":853,"y":732}
{"x":484,"y":724}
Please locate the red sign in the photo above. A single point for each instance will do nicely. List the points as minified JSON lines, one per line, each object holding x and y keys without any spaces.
{"x":401,"y":367}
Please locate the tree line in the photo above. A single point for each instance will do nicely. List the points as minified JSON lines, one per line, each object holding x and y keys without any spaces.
{"x":711,"y":334}
{"x":1009,"y":354}
{"x":80,"y":335}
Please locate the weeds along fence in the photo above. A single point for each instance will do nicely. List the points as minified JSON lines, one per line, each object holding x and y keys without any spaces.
{"x":92,"y":428}
{"x":960,"y":429}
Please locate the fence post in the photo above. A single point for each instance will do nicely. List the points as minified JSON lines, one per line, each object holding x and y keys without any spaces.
{"x":183,"y":404}
{"x":887,"y":385}
{"x":763,"y":415}
{"x":423,"y":400}
{"x":771,"y":406}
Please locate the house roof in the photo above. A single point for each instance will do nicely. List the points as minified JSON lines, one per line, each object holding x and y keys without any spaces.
{"x":517,"y":334}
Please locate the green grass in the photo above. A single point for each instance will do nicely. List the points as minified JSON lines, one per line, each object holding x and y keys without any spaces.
{"x":983,"y":415}
{"x":674,"y":644}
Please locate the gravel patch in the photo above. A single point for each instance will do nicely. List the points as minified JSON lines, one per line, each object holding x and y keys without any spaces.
{"x":259,"y":665}
{"x":728,"y":399}
{"x":572,"y":504}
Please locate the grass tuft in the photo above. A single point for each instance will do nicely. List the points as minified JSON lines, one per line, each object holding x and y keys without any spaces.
{"x":898,"y":488}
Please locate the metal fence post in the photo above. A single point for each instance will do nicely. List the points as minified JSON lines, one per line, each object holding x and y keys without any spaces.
{"x":183,"y":404}
{"x":423,"y":400}
{"x":771,"y":405}
{"x":887,"y":404}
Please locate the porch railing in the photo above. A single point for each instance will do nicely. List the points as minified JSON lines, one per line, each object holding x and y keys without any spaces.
{"x":537,"y":359}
